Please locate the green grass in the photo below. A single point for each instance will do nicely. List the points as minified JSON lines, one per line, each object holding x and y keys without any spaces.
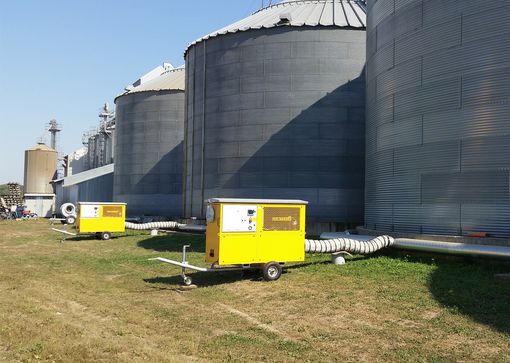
{"x":4,"y":189}
{"x":88,"y":300}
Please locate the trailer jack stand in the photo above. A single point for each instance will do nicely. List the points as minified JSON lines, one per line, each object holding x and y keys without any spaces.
{"x":186,"y":279}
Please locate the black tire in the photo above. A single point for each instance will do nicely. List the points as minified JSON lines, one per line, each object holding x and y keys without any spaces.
{"x":70,"y":220}
{"x":105,"y":236}
{"x":272,"y":271}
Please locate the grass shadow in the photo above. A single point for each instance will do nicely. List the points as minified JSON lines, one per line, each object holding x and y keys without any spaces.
{"x":205,"y":279}
{"x":467,"y":285}
{"x":174,"y":243}
{"x":78,"y":239}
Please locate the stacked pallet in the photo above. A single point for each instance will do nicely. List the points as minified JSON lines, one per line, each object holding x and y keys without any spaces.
{"x":15,"y":196}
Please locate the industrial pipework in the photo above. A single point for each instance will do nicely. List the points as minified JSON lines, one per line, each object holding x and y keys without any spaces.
{"x":451,"y":248}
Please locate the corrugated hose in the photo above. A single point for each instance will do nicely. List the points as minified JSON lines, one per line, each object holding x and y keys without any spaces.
{"x":348,"y":245}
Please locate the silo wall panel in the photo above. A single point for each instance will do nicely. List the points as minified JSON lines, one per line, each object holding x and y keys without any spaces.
{"x":438,"y":90}
{"x":99,"y":189}
{"x":278,"y":113}
{"x":148,"y":152}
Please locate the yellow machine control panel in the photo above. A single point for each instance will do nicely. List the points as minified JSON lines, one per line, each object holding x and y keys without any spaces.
{"x":101,"y":217}
{"x":255,"y":231}
{"x":239,"y":218}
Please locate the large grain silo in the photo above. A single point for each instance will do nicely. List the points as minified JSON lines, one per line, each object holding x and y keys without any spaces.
{"x":148,"y":145}
{"x":275,"y":109}
{"x":40,"y":171}
{"x":438,"y":112}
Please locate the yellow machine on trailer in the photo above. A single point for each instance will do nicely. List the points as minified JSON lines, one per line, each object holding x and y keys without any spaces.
{"x":101,"y":218}
{"x":244,"y":234}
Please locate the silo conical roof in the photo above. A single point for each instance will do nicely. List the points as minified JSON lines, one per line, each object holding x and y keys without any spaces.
{"x":42,"y":147}
{"x":172,"y":79}
{"x":339,"y":13}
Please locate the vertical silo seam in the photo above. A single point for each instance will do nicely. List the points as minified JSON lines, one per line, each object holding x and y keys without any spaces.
{"x":192,"y":138}
{"x":204,"y":107}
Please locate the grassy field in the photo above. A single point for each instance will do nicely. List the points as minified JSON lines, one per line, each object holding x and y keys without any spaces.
{"x":87,"y":300}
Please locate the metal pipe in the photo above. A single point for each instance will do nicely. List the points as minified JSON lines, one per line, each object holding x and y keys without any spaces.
{"x":452,"y":248}
{"x":198,"y":268}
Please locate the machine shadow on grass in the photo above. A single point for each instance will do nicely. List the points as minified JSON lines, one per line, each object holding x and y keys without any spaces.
{"x":204,"y":279}
{"x":467,"y":285}
{"x":174,"y":243}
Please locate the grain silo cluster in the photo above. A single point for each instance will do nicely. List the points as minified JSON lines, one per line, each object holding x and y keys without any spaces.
{"x":392,"y":114}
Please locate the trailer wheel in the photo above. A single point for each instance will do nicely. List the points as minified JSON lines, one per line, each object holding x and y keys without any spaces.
{"x":272,"y":271}
{"x":105,"y":236}
{"x":70,"y":220}
{"x":187,"y":281}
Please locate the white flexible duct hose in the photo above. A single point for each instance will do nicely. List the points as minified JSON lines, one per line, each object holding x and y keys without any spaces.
{"x":347,"y":245}
{"x":153,"y":225}
{"x":68,"y":210}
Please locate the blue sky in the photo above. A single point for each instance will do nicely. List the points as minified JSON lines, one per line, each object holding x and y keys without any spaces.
{"x":64,"y":59}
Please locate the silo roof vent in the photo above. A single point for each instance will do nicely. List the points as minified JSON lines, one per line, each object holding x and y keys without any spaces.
{"x":285,"y":18}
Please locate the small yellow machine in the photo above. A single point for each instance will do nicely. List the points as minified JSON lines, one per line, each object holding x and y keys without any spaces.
{"x":251,"y":234}
{"x":101,"y":218}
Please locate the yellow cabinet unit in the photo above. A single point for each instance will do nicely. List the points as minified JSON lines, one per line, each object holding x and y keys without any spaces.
{"x":255,"y":231}
{"x":101,"y":217}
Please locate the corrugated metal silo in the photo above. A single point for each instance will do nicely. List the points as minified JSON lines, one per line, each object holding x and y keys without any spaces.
{"x":438,"y":111}
{"x":40,"y":169}
{"x":275,"y":109}
{"x":148,"y":146}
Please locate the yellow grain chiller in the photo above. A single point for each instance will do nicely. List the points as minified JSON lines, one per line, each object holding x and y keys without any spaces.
{"x":254,"y":231}
{"x":250,"y":234}
{"x":101,"y":218}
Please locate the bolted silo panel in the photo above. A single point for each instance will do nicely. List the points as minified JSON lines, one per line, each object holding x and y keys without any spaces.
{"x":438,"y":105}
{"x":278,"y":112}
{"x":148,"y":152}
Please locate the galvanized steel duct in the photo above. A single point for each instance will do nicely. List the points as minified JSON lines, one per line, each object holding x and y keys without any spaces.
{"x":438,"y":105}
{"x":452,"y":248}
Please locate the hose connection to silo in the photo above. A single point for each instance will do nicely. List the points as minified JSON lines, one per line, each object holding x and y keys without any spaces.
{"x":348,"y":245}
{"x":165,"y":225}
